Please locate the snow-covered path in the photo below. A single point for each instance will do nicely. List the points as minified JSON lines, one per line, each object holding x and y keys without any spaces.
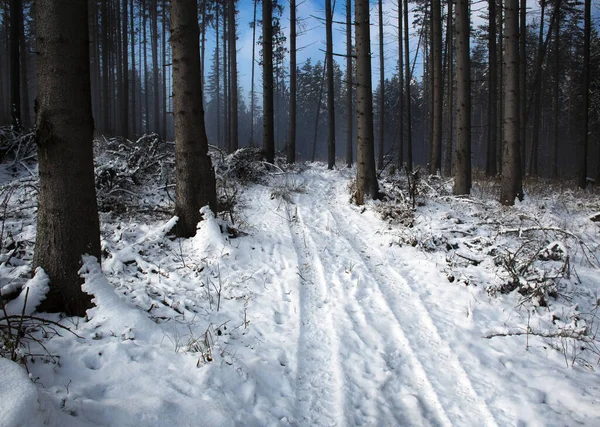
{"x":369,"y":349}
{"x":319,"y":316}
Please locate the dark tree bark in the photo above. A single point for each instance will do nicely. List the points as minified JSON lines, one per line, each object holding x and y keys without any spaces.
{"x":409,"y":156}
{"x":450,"y":60}
{"x":252,"y":77}
{"x":349,"y":112}
{"x":523,"y":81}
{"x":462,"y":173}
{"x":155,"y":80}
{"x":490,"y":167}
{"x":125,"y":100}
{"x":400,"y":89}
{"x":16,"y":10}
{"x":438,"y":88}
{"x":133,"y":76}
{"x":381,"y":91}
{"x":67,"y":222}
{"x":226,"y":124}
{"x":165,"y":100}
{"x":291,"y":148}
{"x":582,"y":179}
{"x":511,"y":165}
{"x":366,"y":179}
{"x":218,"y":76}
{"x":194,"y":173}
{"x":25,"y":107}
{"x":556,"y":90}
{"x":330,"y":94}
{"x":268,"y":131}
{"x":535,"y":133}
{"x":146,"y":85}
{"x":233,"y":83}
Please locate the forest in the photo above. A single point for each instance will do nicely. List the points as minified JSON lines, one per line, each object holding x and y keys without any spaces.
{"x":234,"y":212}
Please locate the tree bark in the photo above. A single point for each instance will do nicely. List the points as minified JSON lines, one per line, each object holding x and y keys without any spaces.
{"x":366,"y":179}
{"x":67,"y":222}
{"x":523,"y":81}
{"x":511,"y":165}
{"x":349,"y":112}
{"x":194,"y":173}
{"x":582,"y":179}
{"x":252,"y":106}
{"x":133,"y":76}
{"x":15,"y":63}
{"x":381,"y":123}
{"x":438,"y":88}
{"x":492,"y":140}
{"x":450,"y":60}
{"x":268,"y":131}
{"x":400,"y":90}
{"x":155,"y":80}
{"x":125,"y":106}
{"x":330,"y":98}
{"x":409,"y":156}
{"x":462,"y":174}
{"x":556,"y":90}
{"x":535,"y":134}
{"x":291,"y":147}
{"x":233,"y":83}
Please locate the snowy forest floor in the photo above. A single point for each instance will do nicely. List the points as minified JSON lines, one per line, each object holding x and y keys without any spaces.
{"x":296,"y":307}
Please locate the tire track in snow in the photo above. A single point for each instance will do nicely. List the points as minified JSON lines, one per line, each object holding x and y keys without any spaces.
{"x":435,"y":359}
{"x":319,"y":378}
{"x":382,"y":387}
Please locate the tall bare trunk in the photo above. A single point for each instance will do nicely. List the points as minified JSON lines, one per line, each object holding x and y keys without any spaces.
{"x":366,"y":179}
{"x":155,"y":78}
{"x":556,"y":105}
{"x":291,"y":148}
{"x":252,"y":78}
{"x":268,"y":135}
{"x":450,"y":60}
{"x":16,"y":10}
{"x":349,"y":112}
{"x":492,"y":140}
{"x":535,"y":134}
{"x":133,"y":71}
{"x":125,"y":105}
{"x":194,"y":173}
{"x":381,"y":123}
{"x":523,"y":81}
{"x":438,"y":88}
{"x":586,"y":95}
{"x":511,"y":165}
{"x":462,"y":173}
{"x":165,"y":100}
{"x":67,"y":222}
{"x":409,"y":156}
{"x":330,"y":99}
{"x":233,"y":83}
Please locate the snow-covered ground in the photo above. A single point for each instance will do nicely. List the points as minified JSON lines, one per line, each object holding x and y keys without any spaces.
{"x":311,"y":311}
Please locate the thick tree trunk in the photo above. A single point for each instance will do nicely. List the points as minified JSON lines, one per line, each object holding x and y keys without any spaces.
{"x":462,"y":173}
{"x":381,"y":123}
{"x":218,"y":76}
{"x":438,"y":89}
{"x":67,"y":224}
{"x":582,"y":179}
{"x":349,"y":110}
{"x":194,"y":173}
{"x":226,"y":124}
{"x":330,"y":94}
{"x":556,"y":89}
{"x":252,"y":106}
{"x":233,"y":83}
{"x":146,"y":85}
{"x":400,"y":90}
{"x":268,"y":135}
{"x":490,"y":167}
{"x":366,"y":179}
{"x":523,"y":81}
{"x":125,"y":106}
{"x":165,"y":100}
{"x":450,"y":59}
{"x":511,"y":165}
{"x":155,"y":80}
{"x":15,"y":62}
{"x":291,"y":147}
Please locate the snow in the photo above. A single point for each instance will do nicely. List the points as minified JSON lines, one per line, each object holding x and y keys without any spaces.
{"x":322,"y":314}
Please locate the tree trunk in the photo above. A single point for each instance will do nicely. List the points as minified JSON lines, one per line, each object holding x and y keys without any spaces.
{"x":438,"y":88}
{"x":523,"y":81}
{"x":409,"y":157}
{"x":492,"y":140}
{"x":400,"y":90}
{"x":535,"y":134}
{"x":500,"y":85}
{"x":252,"y":106}
{"x":125,"y":105}
{"x":146,"y":100}
{"x":511,"y":165}
{"x":67,"y":222}
{"x":226,"y":124}
{"x":291,"y":148}
{"x":154,"y":45}
{"x":268,"y":135}
{"x":218,"y":76}
{"x":582,"y":179}
{"x":330,"y":99}
{"x":16,"y":10}
{"x":381,"y":91}
{"x":349,"y":110}
{"x":450,"y":59}
{"x":233,"y":83}
{"x":556,"y":105}
{"x":133,"y":76}
{"x":366,"y":179}
{"x":462,"y":174}
{"x":194,"y":173}
{"x":165,"y":100}
{"x":26,"y":113}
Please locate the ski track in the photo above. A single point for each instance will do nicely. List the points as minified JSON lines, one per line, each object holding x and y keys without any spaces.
{"x":319,"y":378}
{"x":367,"y":314}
